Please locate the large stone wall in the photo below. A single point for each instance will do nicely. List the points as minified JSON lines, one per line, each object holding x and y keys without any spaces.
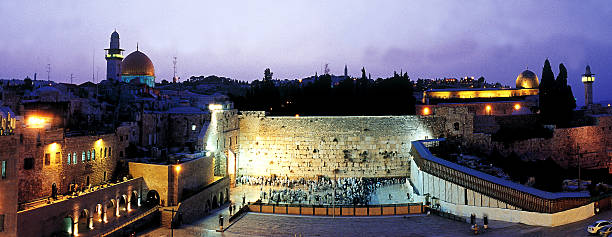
{"x":590,"y":144}
{"x":353,"y":146}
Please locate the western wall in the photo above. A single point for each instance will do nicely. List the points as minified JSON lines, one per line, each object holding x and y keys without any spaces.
{"x":349,"y":146}
{"x":590,"y":144}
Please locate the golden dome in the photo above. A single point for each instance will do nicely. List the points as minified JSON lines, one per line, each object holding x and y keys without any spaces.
{"x":527,"y":80}
{"x":137,"y":64}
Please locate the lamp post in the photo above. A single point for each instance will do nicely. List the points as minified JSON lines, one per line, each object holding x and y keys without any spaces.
{"x":334,"y":196}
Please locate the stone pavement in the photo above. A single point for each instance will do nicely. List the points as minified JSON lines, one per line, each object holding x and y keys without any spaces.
{"x":259,"y":224}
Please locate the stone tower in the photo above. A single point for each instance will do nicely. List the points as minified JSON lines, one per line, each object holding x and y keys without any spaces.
{"x":588,"y":78}
{"x":113,"y":56}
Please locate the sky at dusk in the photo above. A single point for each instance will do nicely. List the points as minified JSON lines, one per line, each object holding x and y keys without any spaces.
{"x":239,"y":39}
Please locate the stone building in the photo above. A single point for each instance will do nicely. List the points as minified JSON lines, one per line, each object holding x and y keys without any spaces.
{"x":42,"y":165}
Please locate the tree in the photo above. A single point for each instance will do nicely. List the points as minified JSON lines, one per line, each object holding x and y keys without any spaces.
{"x":268,"y":74}
{"x":557,"y":101}
{"x":363,"y":73}
{"x":565,"y":103}
{"x":546,"y":87}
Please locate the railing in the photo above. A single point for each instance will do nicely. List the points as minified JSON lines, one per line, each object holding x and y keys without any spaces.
{"x":523,"y":197}
{"x":130,"y":221}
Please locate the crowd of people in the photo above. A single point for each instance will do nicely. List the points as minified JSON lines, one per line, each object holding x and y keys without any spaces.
{"x":320,"y":191}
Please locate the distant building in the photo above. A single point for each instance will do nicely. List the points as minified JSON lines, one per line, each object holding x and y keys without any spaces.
{"x":486,"y":101}
{"x":135,"y":68}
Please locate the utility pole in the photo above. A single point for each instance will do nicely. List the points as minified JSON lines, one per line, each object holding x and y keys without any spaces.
{"x":172,"y":220}
{"x":579,"y":156}
{"x":48,"y":71}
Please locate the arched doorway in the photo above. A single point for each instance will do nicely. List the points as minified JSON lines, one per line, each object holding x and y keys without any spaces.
{"x":122,"y":202}
{"x":84,"y":221}
{"x":68,"y":224}
{"x":98,"y":215}
{"x":110,"y":211}
{"x":54,"y":191}
{"x":152,"y":198}
{"x":215,"y":203}
{"x":134,"y":201}
{"x":208,"y":206}
{"x":227,"y":195}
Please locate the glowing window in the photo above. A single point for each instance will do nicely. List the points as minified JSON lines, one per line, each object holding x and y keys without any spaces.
{"x":74,"y":158}
{"x":69,"y":160}
{"x":93,"y":154}
{"x":3,"y":164}
{"x":47,"y":159}
{"x":83,"y":157}
{"x":193,"y":127}
{"x":88,"y":155}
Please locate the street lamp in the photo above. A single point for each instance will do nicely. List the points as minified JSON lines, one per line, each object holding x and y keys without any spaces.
{"x":334,"y":196}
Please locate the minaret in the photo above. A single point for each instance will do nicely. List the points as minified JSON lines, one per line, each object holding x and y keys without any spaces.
{"x":114,"y":55}
{"x":588,"y":78}
{"x":345,"y":71}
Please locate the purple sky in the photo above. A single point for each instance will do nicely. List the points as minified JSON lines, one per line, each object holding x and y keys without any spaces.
{"x":495,"y":39}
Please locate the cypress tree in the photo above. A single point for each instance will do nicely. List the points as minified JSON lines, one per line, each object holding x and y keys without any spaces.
{"x":546,"y":87}
{"x":563,"y":102}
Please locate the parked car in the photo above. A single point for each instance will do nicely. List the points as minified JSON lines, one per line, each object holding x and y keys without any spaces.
{"x":606,"y":230}
{"x":595,"y":227}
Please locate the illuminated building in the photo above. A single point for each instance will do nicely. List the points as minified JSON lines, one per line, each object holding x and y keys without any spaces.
{"x":486,"y":101}
{"x":137,"y":66}
{"x":588,"y":78}
{"x":113,"y":56}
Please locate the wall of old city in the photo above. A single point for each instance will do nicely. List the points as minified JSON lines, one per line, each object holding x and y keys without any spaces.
{"x":171,"y":182}
{"x":195,"y":175}
{"x":165,"y":129}
{"x":589,"y":143}
{"x":354,"y":146}
{"x":47,"y":151}
{"x":221,"y":140}
{"x":8,"y":187}
{"x":156,"y":177}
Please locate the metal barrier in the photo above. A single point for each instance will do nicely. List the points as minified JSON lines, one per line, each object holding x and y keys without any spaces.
{"x":316,"y":210}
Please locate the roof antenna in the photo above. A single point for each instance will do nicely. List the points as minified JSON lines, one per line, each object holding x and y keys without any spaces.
{"x":136,"y":46}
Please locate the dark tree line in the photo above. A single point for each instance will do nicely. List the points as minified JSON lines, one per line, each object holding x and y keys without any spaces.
{"x":351,"y":96}
{"x":557,"y":101}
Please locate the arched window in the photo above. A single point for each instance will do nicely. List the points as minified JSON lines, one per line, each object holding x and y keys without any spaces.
{"x":83,"y":157}
{"x":74,"y":158}
{"x":69,"y":160}
{"x":109,"y":152}
{"x":105,"y":152}
{"x":88,"y":155}
{"x":93,"y":154}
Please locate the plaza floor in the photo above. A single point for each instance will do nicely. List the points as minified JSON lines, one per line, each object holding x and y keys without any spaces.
{"x":380,"y":196}
{"x":259,"y":224}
